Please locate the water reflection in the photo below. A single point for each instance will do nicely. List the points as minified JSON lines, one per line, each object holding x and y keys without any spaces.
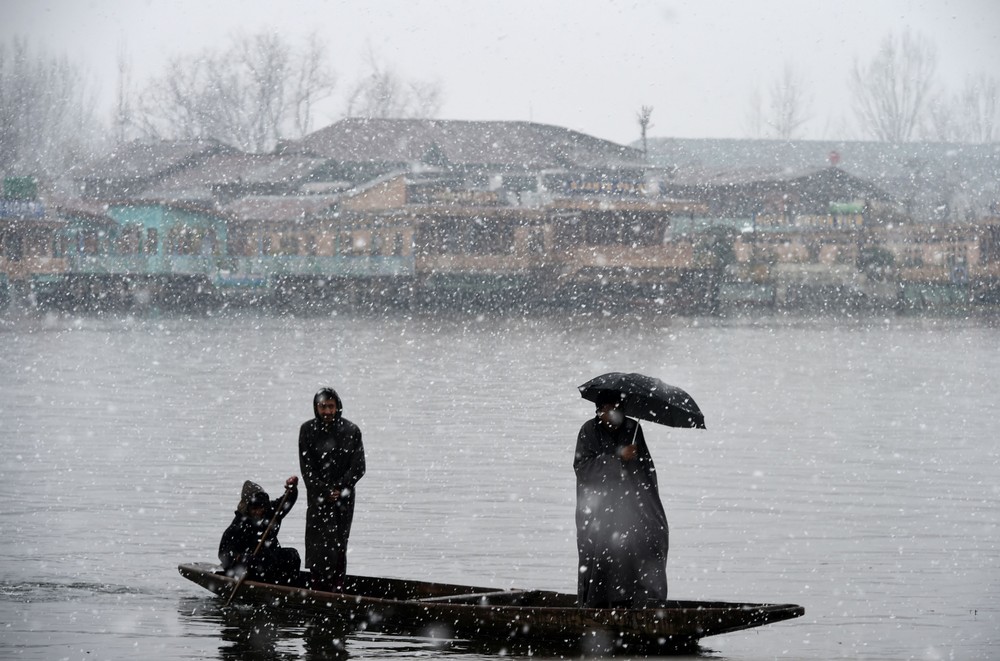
{"x":249,"y":633}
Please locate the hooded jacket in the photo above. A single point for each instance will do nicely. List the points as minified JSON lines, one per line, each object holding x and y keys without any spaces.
{"x":241,"y":538}
{"x":331,"y":454}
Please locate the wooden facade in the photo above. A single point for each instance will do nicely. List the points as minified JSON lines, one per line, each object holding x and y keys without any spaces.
{"x":497,"y":254}
{"x":539,"y":223}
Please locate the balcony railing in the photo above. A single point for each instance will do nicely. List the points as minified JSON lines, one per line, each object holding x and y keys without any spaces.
{"x":362,"y":266}
{"x":21,"y":209}
{"x":241,"y":267}
{"x":143,"y":264}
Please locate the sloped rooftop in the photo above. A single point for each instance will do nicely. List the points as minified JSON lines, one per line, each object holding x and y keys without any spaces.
{"x":142,"y":159}
{"x":870,"y":160}
{"x":761,"y":175}
{"x":75,"y":207}
{"x":934,"y":176}
{"x":279,"y":208}
{"x":505,"y":145}
{"x":234,"y":168}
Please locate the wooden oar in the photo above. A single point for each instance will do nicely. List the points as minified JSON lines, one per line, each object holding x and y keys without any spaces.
{"x":260,"y":544}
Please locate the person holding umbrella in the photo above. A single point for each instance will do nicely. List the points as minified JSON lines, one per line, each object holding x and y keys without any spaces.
{"x":622,"y":532}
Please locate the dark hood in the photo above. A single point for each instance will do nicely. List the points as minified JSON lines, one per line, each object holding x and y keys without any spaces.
{"x":324,"y":393}
{"x":247,"y":494}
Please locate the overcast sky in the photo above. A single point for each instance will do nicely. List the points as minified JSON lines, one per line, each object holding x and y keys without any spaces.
{"x":588,"y":65}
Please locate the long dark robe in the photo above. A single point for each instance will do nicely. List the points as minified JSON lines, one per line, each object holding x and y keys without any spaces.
{"x":622,"y":533}
{"x":331,"y":457}
{"x":273,"y":563}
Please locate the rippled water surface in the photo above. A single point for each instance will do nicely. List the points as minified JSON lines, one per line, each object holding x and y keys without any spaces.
{"x":849,"y":467}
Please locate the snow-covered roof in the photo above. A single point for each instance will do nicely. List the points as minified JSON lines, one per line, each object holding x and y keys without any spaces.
{"x":498,"y":144}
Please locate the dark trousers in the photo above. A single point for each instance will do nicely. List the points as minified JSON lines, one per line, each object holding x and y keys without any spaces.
{"x":278,"y":565}
{"x":328,"y":528}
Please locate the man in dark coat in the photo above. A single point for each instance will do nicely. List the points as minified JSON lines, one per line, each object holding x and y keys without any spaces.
{"x":332,"y":459}
{"x":622,"y":534}
{"x":256,"y":510}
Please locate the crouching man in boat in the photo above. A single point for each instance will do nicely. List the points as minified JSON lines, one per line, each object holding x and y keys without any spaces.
{"x":257,"y":515}
{"x":622,"y":534}
{"x":332,"y":459}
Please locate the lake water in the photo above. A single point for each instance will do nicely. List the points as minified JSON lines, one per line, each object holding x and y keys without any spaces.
{"x":849,"y":466}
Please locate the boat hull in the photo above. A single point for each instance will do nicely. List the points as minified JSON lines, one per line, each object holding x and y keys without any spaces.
{"x":506,"y":616}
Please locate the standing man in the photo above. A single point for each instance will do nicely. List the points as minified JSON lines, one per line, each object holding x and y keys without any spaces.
{"x":622,"y":535}
{"x":332,"y":460}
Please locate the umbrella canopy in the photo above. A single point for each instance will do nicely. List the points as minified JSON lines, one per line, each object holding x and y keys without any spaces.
{"x":646,"y":398}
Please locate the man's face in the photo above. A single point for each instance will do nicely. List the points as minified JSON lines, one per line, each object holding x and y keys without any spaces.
{"x":327,"y":409}
{"x":610,"y":414}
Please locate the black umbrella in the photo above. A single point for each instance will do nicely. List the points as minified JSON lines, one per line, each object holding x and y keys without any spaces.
{"x":646,"y":398}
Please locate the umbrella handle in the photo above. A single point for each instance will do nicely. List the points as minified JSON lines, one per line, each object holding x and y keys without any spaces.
{"x":635,"y":434}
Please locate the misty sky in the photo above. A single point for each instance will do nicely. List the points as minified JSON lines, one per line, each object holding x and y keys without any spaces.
{"x":588,"y":65}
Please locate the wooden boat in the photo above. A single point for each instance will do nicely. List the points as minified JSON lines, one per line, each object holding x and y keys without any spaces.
{"x":503,"y":616}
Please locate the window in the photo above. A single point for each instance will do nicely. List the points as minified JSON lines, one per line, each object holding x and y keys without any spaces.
{"x":345,"y":243}
{"x":152,"y":241}
{"x":288,"y":244}
{"x":185,"y":240}
{"x":535,"y":241}
{"x":129,"y":240}
{"x":488,"y":237}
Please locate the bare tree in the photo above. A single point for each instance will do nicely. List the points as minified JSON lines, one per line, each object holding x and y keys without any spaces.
{"x":643,"y":117}
{"x":382,"y":93}
{"x":970,"y":115}
{"x":786,"y":111}
{"x":47,"y":117}
{"x":788,"y":104}
{"x":893,"y":90}
{"x":313,"y":82}
{"x":259,"y":91}
{"x":939,"y":124}
{"x":755,"y":115}
{"x":979,"y":110}
{"x":123,"y":119}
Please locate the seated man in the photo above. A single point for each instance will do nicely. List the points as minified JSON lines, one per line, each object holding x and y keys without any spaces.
{"x":238,"y":550}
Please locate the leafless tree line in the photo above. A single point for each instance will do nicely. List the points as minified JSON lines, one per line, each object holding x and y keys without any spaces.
{"x":895,"y":97}
{"x":252,"y":94}
{"x":381,"y":92}
{"x":787,"y":107}
{"x":970,"y":115}
{"x":262,"y":90}
{"x":47,"y":111}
